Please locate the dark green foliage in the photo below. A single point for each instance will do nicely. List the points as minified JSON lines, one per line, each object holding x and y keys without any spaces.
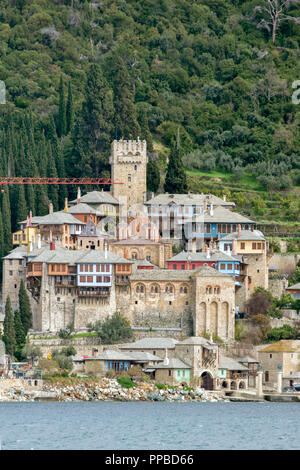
{"x":6,"y":221}
{"x":1,"y":244}
{"x":147,"y":68}
{"x":69,"y":350}
{"x":94,"y":128}
{"x":20,"y":335}
{"x":114,"y":329}
{"x":69,"y":110}
{"x":63,"y":358}
{"x":125,"y":381}
{"x":175,"y":182}
{"x":125,"y":113}
{"x":62,"y":122}
{"x":153,"y":176}
{"x":9,"y":337}
{"x":31,"y":352}
{"x":24,"y":308}
{"x":283,"y":332}
{"x":19,"y":329}
{"x":66,"y":333}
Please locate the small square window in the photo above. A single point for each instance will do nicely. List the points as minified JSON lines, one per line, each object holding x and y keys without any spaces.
{"x":136,"y":301}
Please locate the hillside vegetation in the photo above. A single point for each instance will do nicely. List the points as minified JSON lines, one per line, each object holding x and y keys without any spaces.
{"x":80,"y":73}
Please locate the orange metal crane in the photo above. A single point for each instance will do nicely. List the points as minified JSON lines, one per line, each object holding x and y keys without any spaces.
{"x":4,"y":180}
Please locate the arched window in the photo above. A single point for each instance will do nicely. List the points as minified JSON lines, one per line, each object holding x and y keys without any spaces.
{"x":208,"y":289}
{"x":216,"y":290}
{"x":183,"y":290}
{"x":140,"y":289}
{"x":134,"y":255}
{"x":169,"y":289}
{"x":154,"y":289}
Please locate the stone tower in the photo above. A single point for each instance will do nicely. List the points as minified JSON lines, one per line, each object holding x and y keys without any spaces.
{"x":128,"y":166}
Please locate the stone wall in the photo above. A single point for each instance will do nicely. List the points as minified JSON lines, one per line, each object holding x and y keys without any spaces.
{"x":277,"y":287}
{"x":286,"y":262}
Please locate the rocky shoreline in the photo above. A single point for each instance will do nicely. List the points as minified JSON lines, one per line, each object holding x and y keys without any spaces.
{"x":107,"y":390}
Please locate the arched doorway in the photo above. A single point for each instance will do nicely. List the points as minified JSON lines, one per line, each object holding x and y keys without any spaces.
{"x":207,"y":381}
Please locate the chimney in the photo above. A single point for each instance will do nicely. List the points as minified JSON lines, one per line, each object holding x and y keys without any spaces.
{"x":39,"y":243}
{"x":30,"y":219}
{"x":52,"y":245}
{"x":105,"y":249}
{"x":31,"y":245}
{"x":211,"y":210}
{"x":50,"y":208}
{"x":78,"y":195}
{"x":66,"y":205}
{"x":234,"y":246}
{"x":94,"y":352}
{"x":204,"y":205}
{"x":239,"y":230}
{"x":166,"y":359}
{"x":208,"y":253}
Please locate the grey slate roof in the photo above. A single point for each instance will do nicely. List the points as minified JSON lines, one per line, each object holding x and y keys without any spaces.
{"x":230,"y":364}
{"x":245,"y":235}
{"x":62,"y":255}
{"x":221,"y":215}
{"x":248,"y":360}
{"x":114,"y":355}
{"x":174,"y":363}
{"x":56,"y":218}
{"x":202,"y":256}
{"x":81,"y":209}
{"x":188,"y":200}
{"x":16,"y":253}
{"x":97,"y":197}
{"x":151,"y":343}
{"x":294,"y":287}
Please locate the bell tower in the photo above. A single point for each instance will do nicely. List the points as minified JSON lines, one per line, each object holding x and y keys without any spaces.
{"x":129,"y":166}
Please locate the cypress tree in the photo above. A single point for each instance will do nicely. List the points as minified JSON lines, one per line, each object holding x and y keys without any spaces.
{"x":93,"y":130}
{"x":19,"y":329}
{"x":69,"y":110}
{"x":153,"y":176}
{"x":145,"y":131}
{"x":1,"y":245}
{"x":175,"y":181}
{"x":24,"y":308}
{"x":62,"y":125}
{"x":9,"y":337}
{"x":20,"y":209}
{"x":125,"y":113}
{"x":52,"y":173}
{"x":6,"y":219}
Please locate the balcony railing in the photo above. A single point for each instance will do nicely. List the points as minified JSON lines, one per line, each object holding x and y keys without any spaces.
{"x":92,"y":293}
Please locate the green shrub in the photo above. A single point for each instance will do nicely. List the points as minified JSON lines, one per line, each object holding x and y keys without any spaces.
{"x":160,"y":386}
{"x":125,"y":381}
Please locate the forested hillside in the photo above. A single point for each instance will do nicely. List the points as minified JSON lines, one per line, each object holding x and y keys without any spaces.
{"x":212,"y":74}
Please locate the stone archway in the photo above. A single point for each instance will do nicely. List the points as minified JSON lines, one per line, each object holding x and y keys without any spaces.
{"x":207,"y":381}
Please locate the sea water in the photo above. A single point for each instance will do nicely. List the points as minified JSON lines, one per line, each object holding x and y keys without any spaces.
{"x":148,"y":425}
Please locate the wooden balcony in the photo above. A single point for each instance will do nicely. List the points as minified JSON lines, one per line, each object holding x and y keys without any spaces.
{"x":81,"y":292}
{"x":122,"y":281}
